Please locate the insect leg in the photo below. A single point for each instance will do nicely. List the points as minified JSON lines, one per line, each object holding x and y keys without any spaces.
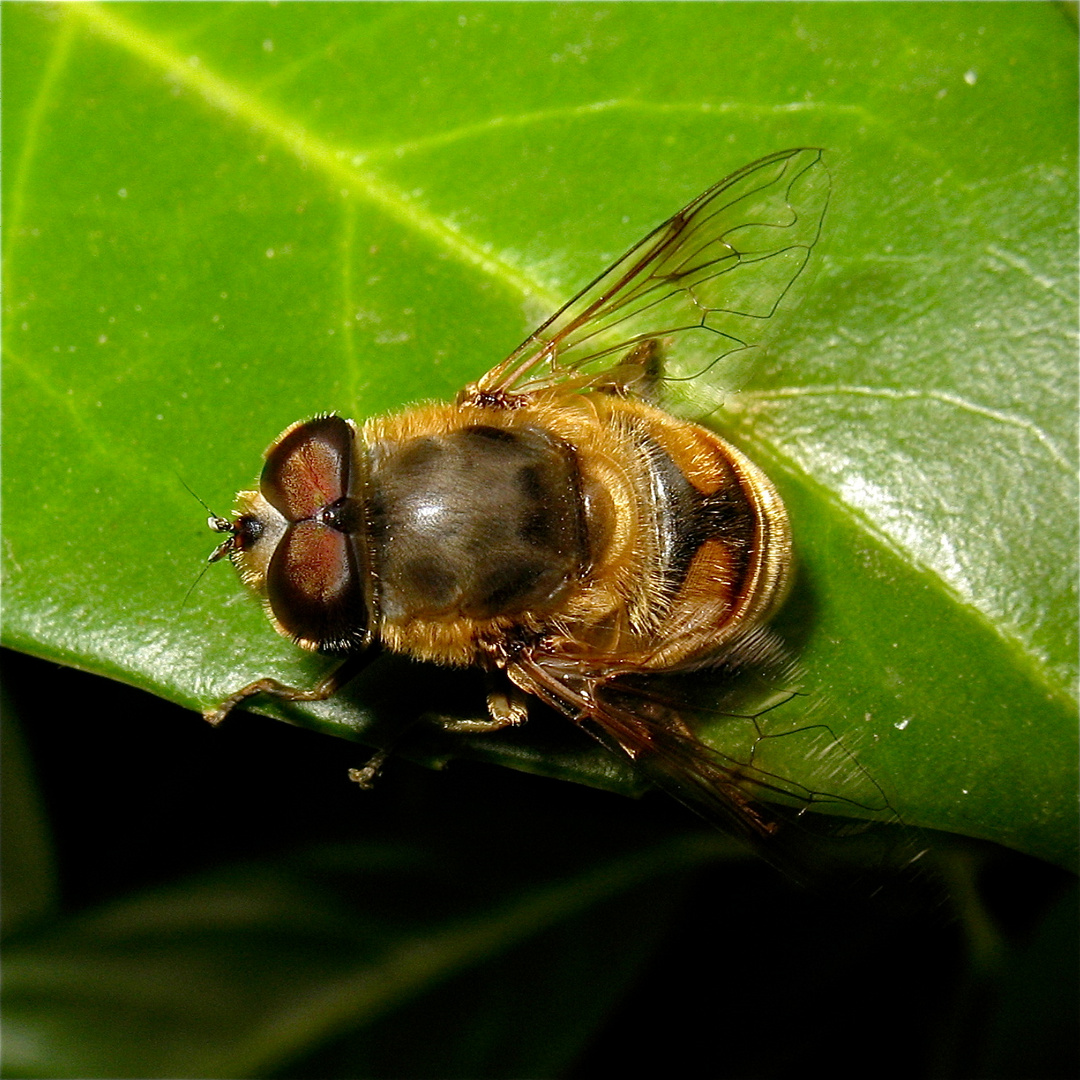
{"x":507,"y":707}
{"x":326,"y":688}
{"x":366,"y":774}
{"x":637,"y":373}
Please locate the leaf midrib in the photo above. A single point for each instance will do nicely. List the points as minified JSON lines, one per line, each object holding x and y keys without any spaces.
{"x":338,"y":164}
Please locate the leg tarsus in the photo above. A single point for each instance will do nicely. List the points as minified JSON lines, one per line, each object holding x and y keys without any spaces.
{"x":325,"y":688}
{"x":507,"y":707}
{"x":365,"y":776}
{"x":471,"y":727}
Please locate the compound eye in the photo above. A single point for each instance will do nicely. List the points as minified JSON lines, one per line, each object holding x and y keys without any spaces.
{"x":308,"y":467}
{"x":315,"y":589}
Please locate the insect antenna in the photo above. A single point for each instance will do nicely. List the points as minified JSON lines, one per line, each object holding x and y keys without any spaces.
{"x":218,"y":524}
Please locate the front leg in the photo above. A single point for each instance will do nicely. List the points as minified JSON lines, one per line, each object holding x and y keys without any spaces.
{"x":326,"y":688}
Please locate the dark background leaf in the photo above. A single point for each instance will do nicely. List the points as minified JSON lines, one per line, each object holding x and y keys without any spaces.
{"x":221,"y":218}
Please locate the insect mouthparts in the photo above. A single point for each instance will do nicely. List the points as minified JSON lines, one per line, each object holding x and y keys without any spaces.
{"x":226,"y":547}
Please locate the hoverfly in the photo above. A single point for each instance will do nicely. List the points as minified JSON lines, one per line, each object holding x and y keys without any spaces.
{"x":555,"y":525}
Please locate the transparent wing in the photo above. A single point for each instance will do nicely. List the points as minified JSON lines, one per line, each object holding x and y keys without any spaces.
{"x":661,"y":724}
{"x":702,"y":286}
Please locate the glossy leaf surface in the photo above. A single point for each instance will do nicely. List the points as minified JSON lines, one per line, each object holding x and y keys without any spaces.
{"x":221,"y":218}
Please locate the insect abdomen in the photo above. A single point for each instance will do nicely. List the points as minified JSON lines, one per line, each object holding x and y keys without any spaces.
{"x":700,"y":544}
{"x":733,"y":549}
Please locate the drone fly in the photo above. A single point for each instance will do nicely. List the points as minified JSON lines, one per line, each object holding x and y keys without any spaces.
{"x":555,"y":525}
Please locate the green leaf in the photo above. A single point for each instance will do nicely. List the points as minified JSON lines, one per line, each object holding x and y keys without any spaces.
{"x":221,"y":218}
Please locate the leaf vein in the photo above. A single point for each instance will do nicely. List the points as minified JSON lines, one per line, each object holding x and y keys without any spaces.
{"x":336,"y":164}
{"x":889,"y":394}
